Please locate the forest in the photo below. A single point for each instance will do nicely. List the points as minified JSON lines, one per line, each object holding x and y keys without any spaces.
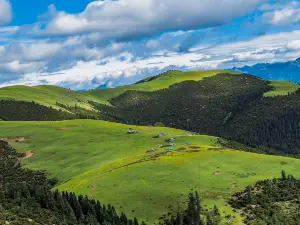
{"x":26,"y":198}
{"x":194,"y":214}
{"x":11,"y":110}
{"x":231,"y":107}
{"x":270,"y":202}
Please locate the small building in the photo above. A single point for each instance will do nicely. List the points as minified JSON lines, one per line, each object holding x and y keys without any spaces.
{"x":151,"y":151}
{"x":130,"y":131}
{"x":156,"y":136}
{"x":170,"y":139}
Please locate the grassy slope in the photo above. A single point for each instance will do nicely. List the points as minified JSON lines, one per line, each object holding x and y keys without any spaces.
{"x":282,"y":88}
{"x":45,"y":94}
{"x":48,"y":95}
{"x":81,"y":154}
{"x":161,"y":82}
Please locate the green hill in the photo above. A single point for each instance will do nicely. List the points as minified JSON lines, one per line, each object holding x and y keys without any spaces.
{"x":146,"y":177}
{"x":133,"y":172}
{"x":155,"y":83}
{"x":45,"y":95}
{"x":282,"y":88}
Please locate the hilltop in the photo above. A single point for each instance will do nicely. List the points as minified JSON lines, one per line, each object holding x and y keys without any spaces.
{"x":209,"y":102}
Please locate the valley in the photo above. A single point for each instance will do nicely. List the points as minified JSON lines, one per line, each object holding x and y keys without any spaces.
{"x":144,"y":176}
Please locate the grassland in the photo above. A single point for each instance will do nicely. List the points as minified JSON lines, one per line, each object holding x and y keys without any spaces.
{"x":161,"y":82}
{"x":45,"y":95}
{"x":282,"y":88}
{"x":99,"y":158}
{"x":48,"y":95}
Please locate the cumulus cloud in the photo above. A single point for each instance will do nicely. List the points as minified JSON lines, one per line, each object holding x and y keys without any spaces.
{"x":126,"y":19}
{"x":105,"y":43}
{"x":253,"y":56}
{"x":18,"y":67}
{"x":285,"y":14}
{"x":5,"y":12}
{"x":119,"y":63}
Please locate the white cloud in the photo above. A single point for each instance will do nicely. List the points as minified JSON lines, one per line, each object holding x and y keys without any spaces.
{"x":253,"y":56}
{"x":17,"y":67}
{"x":133,"y":18}
{"x":40,"y":51}
{"x":294,"y":45}
{"x":5,"y":12}
{"x":115,"y":63}
{"x":287,"y":14}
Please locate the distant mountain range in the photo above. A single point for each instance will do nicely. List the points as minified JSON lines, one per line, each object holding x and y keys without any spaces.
{"x":274,"y":71}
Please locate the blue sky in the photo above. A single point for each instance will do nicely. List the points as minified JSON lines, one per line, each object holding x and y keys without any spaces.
{"x":27,"y":12}
{"x":83,"y":44}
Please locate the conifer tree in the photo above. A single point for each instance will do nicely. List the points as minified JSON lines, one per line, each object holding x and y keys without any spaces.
{"x":283,"y":175}
{"x":179,"y":219}
{"x":135,"y":221}
{"x":209,"y":220}
{"x":249,"y":195}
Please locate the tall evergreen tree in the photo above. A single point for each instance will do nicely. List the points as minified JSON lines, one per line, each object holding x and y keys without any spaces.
{"x":179,"y":219}
{"x":283,"y":175}
{"x":249,"y":195}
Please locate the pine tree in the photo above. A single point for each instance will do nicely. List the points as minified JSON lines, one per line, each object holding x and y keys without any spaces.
{"x":135,"y":221}
{"x":179,"y":219}
{"x":249,"y":195}
{"x":191,"y":211}
{"x":78,"y":211}
{"x":216,"y":211}
{"x":198,"y":210}
{"x":209,"y":220}
{"x":283,"y":175}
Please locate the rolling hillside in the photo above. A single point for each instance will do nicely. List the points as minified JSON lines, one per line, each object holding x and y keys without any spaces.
{"x":132,"y":171}
{"x":48,"y":95}
{"x":45,"y":95}
{"x":155,"y":83}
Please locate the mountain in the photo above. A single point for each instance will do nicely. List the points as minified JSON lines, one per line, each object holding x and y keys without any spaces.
{"x":274,"y":71}
{"x":147,"y":145}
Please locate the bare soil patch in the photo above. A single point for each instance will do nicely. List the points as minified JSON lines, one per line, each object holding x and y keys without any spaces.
{"x":28,"y":154}
{"x":13,"y":140}
{"x":234,"y":186}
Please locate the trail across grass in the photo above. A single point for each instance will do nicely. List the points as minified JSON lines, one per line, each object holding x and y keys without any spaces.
{"x":100,"y":159}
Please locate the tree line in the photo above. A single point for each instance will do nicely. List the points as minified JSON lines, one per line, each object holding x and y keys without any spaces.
{"x":26,"y":198}
{"x":194,"y":214}
{"x":225,"y":105}
{"x":270,"y":202}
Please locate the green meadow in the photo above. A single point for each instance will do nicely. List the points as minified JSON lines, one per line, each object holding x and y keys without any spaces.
{"x":48,"y":95}
{"x":100,"y":159}
{"x":45,"y":95}
{"x":282,"y":88}
{"x":161,"y":82}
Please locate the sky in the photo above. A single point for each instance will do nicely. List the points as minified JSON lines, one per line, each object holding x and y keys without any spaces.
{"x":84,"y":44}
